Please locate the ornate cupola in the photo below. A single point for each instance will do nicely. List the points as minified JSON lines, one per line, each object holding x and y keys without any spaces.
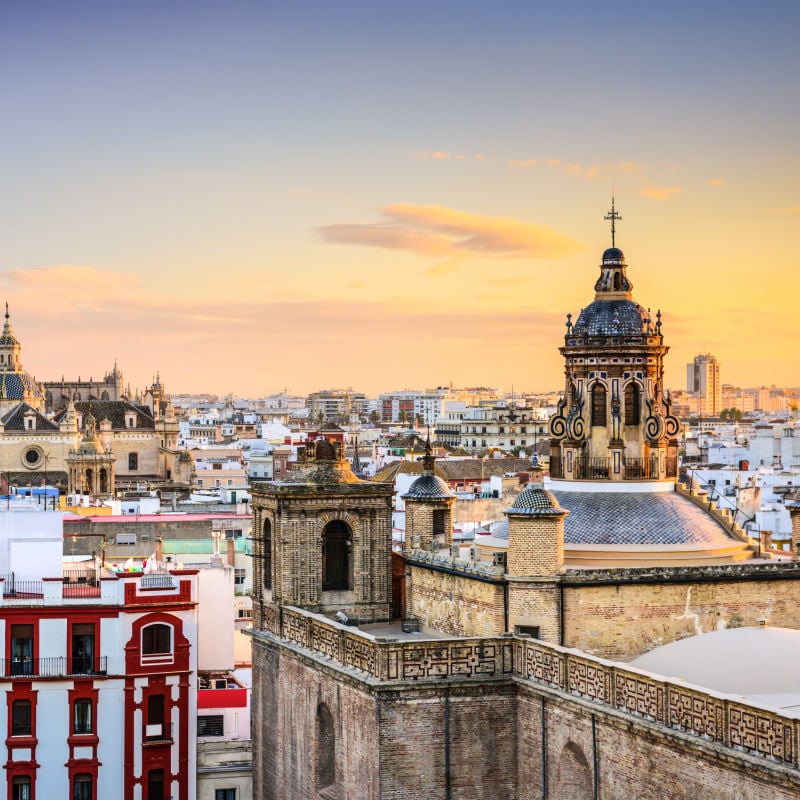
{"x":16,"y":385}
{"x":429,"y":508}
{"x":614,"y":421}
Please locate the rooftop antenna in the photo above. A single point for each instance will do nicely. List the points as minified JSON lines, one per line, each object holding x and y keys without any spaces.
{"x":613,"y":216}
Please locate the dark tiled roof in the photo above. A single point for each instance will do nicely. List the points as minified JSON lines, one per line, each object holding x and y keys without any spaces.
{"x":114,"y":411}
{"x":458,"y":469}
{"x":637,"y":518}
{"x":657,"y":518}
{"x":15,"y":419}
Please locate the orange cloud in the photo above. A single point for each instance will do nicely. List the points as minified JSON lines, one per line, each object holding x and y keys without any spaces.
{"x":659,"y":192}
{"x":438,"y":155}
{"x":526,"y":164}
{"x":717,"y":182}
{"x":437,"y":230}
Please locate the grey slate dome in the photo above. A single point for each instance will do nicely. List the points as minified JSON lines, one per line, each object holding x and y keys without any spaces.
{"x":428,"y":487}
{"x":611,"y":318}
{"x":535,"y":500}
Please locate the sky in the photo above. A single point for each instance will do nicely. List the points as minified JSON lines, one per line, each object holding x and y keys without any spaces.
{"x":247,"y":197}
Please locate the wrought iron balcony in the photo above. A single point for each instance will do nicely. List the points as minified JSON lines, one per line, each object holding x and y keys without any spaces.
{"x":53,"y":667}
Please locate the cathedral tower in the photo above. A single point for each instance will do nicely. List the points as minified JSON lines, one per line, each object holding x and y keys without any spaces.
{"x":614,"y":421}
{"x":322,"y":539}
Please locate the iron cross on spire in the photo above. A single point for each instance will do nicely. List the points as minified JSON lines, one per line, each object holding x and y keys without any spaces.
{"x":613,"y":216}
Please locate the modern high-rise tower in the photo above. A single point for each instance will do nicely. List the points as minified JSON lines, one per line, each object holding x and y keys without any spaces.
{"x":702,"y":378}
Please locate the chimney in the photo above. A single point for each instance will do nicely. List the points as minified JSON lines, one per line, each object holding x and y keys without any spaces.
{"x":159,"y":550}
{"x":231,"y":551}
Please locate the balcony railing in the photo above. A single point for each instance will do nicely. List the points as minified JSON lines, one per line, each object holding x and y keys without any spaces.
{"x":633,"y":469}
{"x":53,"y":667}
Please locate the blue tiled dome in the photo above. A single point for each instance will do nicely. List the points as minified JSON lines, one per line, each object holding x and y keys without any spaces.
{"x":613,"y":256}
{"x":611,"y":317}
{"x":428,"y":487}
{"x":536,"y":500}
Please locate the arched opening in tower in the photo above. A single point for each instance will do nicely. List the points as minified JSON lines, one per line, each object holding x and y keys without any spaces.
{"x":336,"y":546}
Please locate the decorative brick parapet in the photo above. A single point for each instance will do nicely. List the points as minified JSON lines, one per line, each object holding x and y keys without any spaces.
{"x":714,"y":716}
{"x":445,"y":560}
{"x":702,"y":712}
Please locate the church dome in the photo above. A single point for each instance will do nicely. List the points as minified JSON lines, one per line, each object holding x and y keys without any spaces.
{"x":428,"y":487}
{"x":536,"y":500}
{"x":610,"y":318}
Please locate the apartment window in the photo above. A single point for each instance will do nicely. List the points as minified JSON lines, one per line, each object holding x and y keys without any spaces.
{"x":156,"y":640}
{"x":82,"y":648}
{"x":211,"y":725}
{"x":22,"y":649}
{"x":21,"y":787}
{"x":21,"y":718}
{"x":238,"y":577}
{"x":155,"y":785}
{"x":225,"y":794}
{"x":82,"y":716}
{"x":133,"y":461}
{"x":82,"y":787}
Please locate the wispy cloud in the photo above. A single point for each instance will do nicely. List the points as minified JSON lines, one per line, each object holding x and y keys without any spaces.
{"x":456,"y":235}
{"x":527,"y":163}
{"x":717,"y":182}
{"x":660,"y":192}
{"x":445,"y":155}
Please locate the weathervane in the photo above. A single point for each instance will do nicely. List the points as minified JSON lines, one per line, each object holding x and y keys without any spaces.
{"x":613,"y":216}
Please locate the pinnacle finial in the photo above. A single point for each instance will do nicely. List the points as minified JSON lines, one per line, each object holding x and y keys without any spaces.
{"x":614,"y":217}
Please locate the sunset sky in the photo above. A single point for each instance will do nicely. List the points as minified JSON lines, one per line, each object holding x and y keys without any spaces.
{"x":386,"y":195}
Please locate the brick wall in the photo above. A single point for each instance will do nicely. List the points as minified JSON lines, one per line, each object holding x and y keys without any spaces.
{"x":535,"y":544}
{"x":626,"y":619}
{"x":455,"y":604}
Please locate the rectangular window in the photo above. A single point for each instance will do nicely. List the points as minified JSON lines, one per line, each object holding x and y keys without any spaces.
{"x":82,"y":716}
{"x":21,"y":718}
{"x":126,"y":539}
{"x":239,"y":576}
{"x":22,"y":649}
{"x":210,"y":725}
{"x":225,"y":794}
{"x":82,"y":787}
{"x":21,"y":788}
{"x":155,"y":785}
{"x":82,"y":648}
{"x":133,"y":461}
{"x":527,"y":630}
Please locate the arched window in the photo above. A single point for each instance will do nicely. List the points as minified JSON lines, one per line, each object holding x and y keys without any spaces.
{"x":632,"y":404}
{"x":574,"y":775}
{"x":156,"y":640}
{"x":326,"y":748}
{"x":89,"y":480}
{"x":267,"y":562}
{"x":617,"y":281}
{"x":103,"y":480}
{"x":599,"y":405}
{"x":336,"y":542}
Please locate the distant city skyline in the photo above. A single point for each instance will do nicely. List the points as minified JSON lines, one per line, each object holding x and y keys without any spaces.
{"x":249,"y":197}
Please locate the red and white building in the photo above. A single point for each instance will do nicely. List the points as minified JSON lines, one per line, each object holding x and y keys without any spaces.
{"x":99,"y":673}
